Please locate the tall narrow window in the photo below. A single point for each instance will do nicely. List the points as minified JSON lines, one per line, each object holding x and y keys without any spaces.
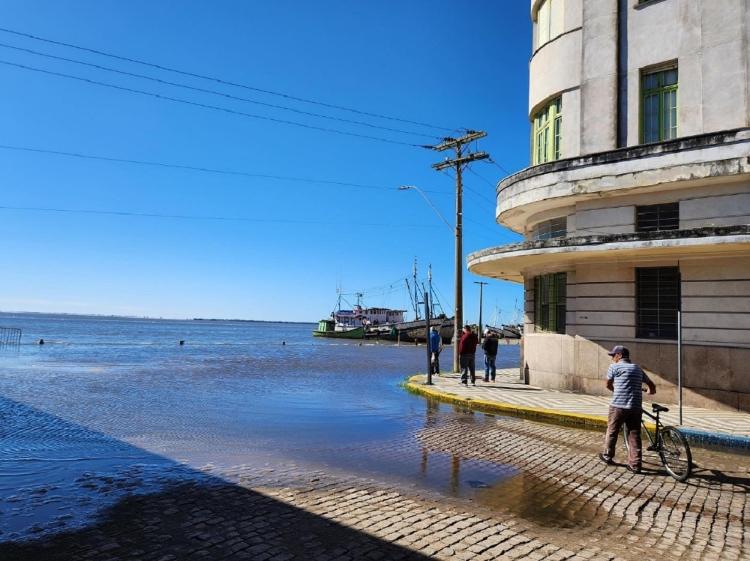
{"x":549,"y":302}
{"x":549,"y":22}
{"x":547,"y":133}
{"x":657,"y":301}
{"x":657,"y":218}
{"x":659,"y":106}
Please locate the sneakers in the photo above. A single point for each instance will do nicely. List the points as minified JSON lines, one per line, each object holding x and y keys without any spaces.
{"x":465,"y":382}
{"x":606,"y":459}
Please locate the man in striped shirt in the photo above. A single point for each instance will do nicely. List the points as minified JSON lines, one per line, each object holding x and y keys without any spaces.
{"x":626,"y":380}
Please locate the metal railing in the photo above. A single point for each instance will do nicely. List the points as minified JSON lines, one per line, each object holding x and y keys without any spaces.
{"x":10,"y":337}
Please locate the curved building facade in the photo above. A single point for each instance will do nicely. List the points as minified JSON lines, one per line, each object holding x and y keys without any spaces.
{"x":636,"y":207}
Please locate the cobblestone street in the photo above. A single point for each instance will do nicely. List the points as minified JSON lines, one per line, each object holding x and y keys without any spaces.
{"x":554,"y":500}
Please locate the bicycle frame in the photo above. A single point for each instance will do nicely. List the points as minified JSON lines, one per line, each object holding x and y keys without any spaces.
{"x":655,"y":440}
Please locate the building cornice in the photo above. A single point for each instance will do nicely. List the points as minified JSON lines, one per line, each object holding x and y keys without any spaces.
{"x":509,"y":261}
{"x":693,"y":159}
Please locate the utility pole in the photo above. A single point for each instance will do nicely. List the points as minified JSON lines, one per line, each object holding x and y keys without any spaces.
{"x":481,"y":289}
{"x":458,"y":163}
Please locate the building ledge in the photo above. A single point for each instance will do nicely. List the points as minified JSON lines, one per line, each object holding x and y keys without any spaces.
{"x":510,"y":262}
{"x":682,"y":162}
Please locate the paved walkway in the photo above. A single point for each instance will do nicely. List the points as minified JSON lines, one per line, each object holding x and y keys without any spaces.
{"x":510,"y":395}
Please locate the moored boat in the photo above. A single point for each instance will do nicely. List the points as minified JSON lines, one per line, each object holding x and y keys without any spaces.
{"x":328,"y":328}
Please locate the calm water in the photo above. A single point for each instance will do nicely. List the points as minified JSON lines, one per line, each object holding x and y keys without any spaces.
{"x":109,"y":407}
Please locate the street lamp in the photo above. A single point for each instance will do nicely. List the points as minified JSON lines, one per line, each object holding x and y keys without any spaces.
{"x":429,"y":202}
{"x":458,"y":310}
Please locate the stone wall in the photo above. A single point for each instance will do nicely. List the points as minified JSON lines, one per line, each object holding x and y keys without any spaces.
{"x":714,"y":377}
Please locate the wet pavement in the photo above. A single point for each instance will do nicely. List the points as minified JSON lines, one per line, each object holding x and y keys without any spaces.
{"x":143,"y":453}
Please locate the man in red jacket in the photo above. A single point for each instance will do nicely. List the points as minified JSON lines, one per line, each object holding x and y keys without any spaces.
{"x":467,"y":346}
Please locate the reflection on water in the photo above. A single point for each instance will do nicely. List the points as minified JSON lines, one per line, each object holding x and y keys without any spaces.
{"x":103,"y":394}
{"x":545,"y":502}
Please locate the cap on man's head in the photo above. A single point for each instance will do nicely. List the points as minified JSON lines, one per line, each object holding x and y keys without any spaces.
{"x":619,"y":350}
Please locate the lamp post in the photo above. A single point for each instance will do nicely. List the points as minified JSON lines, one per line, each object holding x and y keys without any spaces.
{"x":457,"y":314}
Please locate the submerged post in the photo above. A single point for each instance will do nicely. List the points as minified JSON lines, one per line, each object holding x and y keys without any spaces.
{"x":427,"y":337}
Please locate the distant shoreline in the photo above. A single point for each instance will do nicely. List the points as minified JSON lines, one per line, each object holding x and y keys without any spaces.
{"x":150,"y":318}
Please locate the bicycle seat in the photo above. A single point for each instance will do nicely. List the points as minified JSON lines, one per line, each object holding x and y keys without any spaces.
{"x":658,"y":408}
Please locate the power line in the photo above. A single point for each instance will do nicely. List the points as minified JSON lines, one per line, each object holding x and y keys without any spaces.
{"x":208,"y":106}
{"x":493,"y":162}
{"x":202,"y":169}
{"x":214,"y":92}
{"x":222,"y":81}
{"x":197,"y":217}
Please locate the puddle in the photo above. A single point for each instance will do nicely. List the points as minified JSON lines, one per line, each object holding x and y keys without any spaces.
{"x":543,"y":502}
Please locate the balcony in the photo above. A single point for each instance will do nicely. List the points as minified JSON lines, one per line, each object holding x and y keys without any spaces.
{"x":509,"y":262}
{"x":685,"y":162}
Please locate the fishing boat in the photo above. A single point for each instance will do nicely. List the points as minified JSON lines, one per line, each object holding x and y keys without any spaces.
{"x":358,"y":322}
{"x":328,"y":328}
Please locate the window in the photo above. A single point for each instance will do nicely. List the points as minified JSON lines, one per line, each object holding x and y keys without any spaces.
{"x":659,"y":106}
{"x":657,"y":301}
{"x":547,"y":133}
{"x":549,"y":22}
{"x":656,"y":218}
{"x":555,"y":228}
{"x":549,"y":302}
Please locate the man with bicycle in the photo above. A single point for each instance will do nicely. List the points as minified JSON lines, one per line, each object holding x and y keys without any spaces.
{"x":625,"y":379}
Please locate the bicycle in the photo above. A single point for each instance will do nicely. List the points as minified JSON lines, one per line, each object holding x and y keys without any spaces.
{"x":668,"y":442}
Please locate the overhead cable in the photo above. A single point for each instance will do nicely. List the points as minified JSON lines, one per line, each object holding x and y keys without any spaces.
{"x":223,"y":81}
{"x":208,"y":106}
{"x":214,"y":92}
{"x":199,"y":217}
{"x":202,"y":169}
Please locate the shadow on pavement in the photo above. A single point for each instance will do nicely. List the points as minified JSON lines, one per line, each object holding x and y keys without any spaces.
{"x":203,"y":517}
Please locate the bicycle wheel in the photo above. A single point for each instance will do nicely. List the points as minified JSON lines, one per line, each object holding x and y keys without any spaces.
{"x":674,"y":451}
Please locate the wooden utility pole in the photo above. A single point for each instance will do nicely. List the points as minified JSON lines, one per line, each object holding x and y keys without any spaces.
{"x":458,"y":163}
{"x":481,"y":290}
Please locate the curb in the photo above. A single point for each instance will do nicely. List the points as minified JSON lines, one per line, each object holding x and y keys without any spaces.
{"x":722,"y":440}
{"x":415,"y":384}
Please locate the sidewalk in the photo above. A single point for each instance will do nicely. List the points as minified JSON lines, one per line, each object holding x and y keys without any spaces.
{"x":509,"y":395}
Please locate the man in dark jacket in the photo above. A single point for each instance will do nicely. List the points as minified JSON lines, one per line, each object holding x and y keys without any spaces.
{"x":467,"y":347}
{"x":489,"y":345}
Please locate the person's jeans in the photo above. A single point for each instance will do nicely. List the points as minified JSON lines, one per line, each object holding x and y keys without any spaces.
{"x":435,"y":362}
{"x":631,"y":418}
{"x":489,"y":367}
{"x":468,"y":366}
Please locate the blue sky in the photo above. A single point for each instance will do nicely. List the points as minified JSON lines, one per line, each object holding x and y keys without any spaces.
{"x":451,"y":64}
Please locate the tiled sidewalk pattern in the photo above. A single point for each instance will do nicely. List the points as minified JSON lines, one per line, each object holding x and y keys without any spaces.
{"x":508,"y":389}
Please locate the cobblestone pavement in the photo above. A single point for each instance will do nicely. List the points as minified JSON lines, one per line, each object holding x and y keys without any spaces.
{"x":508,"y":389}
{"x":554,"y":500}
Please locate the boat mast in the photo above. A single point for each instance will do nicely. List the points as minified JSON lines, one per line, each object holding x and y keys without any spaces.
{"x":416,"y":292}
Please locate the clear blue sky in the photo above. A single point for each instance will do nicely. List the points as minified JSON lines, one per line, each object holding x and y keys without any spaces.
{"x":455,"y":64}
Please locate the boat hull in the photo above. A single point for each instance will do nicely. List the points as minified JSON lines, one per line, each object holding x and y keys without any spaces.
{"x":356,"y":333}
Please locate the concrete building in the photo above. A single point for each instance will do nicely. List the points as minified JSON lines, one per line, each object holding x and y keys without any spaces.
{"x":638,"y":199}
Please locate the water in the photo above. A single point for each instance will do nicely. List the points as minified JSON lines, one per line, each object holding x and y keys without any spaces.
{"x":110,"y":406}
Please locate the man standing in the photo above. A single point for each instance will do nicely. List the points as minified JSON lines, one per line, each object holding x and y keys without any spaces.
{"x":625,"y":379}
{"x":467,"y":346}
{"x":489,"y":345}
{"x":436,"y":346}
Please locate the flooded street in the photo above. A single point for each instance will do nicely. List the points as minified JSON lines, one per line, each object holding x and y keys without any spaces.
{"x":121,"y":401}
{"x":119,"y":443}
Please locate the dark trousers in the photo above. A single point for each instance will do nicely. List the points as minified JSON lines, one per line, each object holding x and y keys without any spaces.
{"x":489,"y":367}
{"x":468,"y":366}
{"x":631,"y":418}
{"x":435,"y":362}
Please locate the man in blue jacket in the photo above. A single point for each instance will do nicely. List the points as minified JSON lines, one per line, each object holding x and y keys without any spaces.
{"x":436,"y":346}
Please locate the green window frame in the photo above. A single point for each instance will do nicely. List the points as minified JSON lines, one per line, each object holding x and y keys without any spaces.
{"x":546,"y":138}
{"x":659,"y":105}
{"x":550,"y":302}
